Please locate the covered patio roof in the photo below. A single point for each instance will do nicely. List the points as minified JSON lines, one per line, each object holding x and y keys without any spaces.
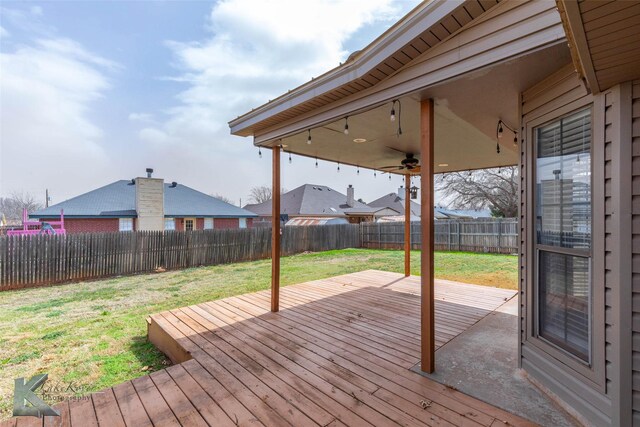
{"x":440,"y":91}
{"x":474,"y":72}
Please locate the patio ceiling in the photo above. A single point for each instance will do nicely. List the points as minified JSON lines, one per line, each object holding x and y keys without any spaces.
{"x":466,"y":115}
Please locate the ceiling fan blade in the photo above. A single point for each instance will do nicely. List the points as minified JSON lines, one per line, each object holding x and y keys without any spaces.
{"x":415,"y":170}
{"x":391,"y":167}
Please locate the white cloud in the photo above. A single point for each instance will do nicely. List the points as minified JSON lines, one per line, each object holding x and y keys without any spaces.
{"x":48,"y":137}
{"x":256,"y":51}
{"x":72,"y":49}
{"x":3,"y":32}
{"x":141,"y":117}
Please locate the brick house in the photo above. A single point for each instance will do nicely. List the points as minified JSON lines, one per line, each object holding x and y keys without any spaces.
{"x":145,"y":204}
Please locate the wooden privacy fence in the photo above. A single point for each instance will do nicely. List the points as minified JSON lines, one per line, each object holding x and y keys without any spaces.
{"x":27,"y":261}
{"x":495,"y":235}
{"x":42,"y":259}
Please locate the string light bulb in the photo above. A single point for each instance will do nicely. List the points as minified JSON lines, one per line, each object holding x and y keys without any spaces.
{"x":338,"y":167}
{"x":500,"y":129}
{"x":374,"y":173}
{"x":309,"y":137}
{"x":346,"y":125}
{"x":290,"y":161}
{"x":259,"y":152}
{"x":357,"y":170}
{"x":389,"y":177}
{"x":316,"y":163}
{"x":393,"y":115}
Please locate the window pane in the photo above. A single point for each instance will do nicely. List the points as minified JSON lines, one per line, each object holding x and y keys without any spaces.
{"x":126,"y":224}
{"x":208,"y":223}
{"x":188,"y":224}
{"x":563,"y":287}
{"x":169,"y":224}
{"x":563,"y":182}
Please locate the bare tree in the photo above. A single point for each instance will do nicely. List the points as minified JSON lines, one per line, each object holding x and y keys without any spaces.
{"x":262,"y":193}
{"x":13,"y":205}
{"x":223,"y":198}
{"x":496,"y":189}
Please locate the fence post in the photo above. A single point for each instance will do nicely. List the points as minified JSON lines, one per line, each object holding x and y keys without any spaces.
{"x":499,"y":235}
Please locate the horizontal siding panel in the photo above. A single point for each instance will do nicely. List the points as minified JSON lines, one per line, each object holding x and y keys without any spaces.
{"x":625,"y":35}
{"x":568,"y":87}
{"x":635,"y":259}
{"x":610,"y":21}
{"x":608,"y":8}
{"x":629,"y":22}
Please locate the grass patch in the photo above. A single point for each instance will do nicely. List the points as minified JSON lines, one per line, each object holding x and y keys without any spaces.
{"x":94,"y":333}
{"x":52,"y":335}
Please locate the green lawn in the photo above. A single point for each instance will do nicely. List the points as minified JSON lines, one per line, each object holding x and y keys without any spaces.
{"x":94,"y":333}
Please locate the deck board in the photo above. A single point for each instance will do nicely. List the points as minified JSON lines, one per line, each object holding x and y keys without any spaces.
{"x":337,"y":354}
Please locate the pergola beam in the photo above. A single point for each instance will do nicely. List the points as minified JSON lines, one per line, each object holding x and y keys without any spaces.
{"x":407,"y":226}
{"x":275,"y":230}
{"x":427,"y":318}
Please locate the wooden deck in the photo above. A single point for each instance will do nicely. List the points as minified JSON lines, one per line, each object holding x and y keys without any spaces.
{"x":338,"y":353}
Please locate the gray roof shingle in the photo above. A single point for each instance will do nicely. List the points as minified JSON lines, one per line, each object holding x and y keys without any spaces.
{"x":395,"y":202}
{"x":118,"y":199}
{"x":312,"y":200}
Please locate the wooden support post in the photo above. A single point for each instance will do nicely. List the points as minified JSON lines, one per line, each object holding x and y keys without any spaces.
{"x":275,"y":231}
{"x":407,"y":226}
{"x":427,"y":323}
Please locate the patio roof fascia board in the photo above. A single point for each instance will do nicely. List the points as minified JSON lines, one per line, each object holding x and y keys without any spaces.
{"x":347,"y":163}
{"x":576,"y":36}
{"x":545,"y":30}
{"x":389,"y":43}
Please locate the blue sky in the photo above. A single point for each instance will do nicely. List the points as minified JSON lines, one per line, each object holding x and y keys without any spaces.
{"x":95,"y":91}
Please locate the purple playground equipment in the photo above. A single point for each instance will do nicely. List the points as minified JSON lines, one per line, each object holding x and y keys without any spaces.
{"x":30,"y":228}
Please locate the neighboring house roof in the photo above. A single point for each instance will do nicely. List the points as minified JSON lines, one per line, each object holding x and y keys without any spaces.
{"x":462,"y":213}
{"x":310,"y":220}
{"x":118,"y":200}
{"x":313,"y":200}
{"x":395,"y":202}
{"x":396,"y":218}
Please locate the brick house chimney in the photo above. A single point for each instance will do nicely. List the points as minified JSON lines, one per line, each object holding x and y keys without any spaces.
{"x":150,"y":203}
{"x":351,"y":201}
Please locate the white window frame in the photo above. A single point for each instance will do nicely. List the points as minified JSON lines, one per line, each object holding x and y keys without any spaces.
{"x":125,"y":224}
{"x":193,"y":221}
{"x":594,"y":373}
{"x":171,"y":221}
{"x":208,"y":224}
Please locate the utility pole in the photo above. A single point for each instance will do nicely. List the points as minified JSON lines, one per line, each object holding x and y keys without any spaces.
{"x":46,"y":201}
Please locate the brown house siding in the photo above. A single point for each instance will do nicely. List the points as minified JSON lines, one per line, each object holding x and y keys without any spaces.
{"x":560,"y":93}
{"x":635,"y":205}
